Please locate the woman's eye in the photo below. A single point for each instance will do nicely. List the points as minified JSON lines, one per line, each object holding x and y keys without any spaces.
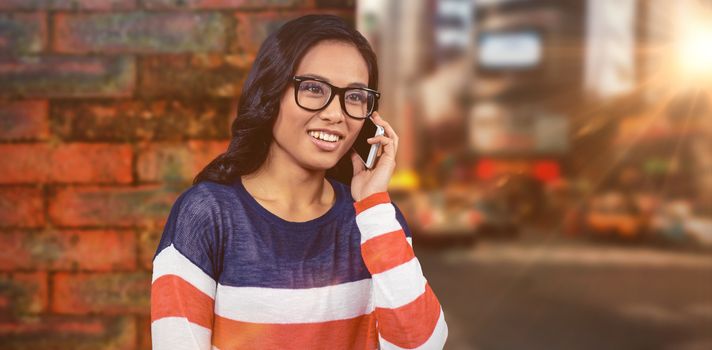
{"x":312,"y":88}
{"x":356,"y":97}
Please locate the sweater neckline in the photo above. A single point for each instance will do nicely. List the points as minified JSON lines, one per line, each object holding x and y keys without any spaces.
{"x":272,"y":218}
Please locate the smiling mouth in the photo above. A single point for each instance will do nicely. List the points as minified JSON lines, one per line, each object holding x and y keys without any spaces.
{"x":323,"y":136}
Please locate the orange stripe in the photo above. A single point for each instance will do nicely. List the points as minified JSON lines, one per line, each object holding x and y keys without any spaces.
{"x":386,"y":251}
{"x":172,"y":296}
{"x":371,"y":201}
{"x":355,"y":333}
{"x":410,"y":325}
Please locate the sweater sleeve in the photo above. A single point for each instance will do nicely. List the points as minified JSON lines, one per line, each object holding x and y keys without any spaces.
{"x":408,"y":314}
{"x":184,"y":274}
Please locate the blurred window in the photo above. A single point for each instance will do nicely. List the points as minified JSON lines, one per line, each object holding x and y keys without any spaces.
{"x":510,"y":50}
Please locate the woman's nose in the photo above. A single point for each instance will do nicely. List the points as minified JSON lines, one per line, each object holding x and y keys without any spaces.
{"x":333,"y":111}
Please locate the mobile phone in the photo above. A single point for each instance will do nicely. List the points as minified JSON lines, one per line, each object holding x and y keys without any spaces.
{"x":366,"y":151}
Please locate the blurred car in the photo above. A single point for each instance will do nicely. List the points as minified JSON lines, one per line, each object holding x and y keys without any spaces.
{"x":497,"y":220}
{"x":614,"y":214}
{"x":441,"y":216}
{"x":457,"y":214}
{"x":677,"y":221}
{"x":700,"y":229}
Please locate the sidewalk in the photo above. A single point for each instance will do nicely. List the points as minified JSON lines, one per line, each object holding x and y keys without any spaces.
{"x":541,"y":249}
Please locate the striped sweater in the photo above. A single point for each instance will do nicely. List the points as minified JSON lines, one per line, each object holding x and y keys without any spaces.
{"x":229,"y":274}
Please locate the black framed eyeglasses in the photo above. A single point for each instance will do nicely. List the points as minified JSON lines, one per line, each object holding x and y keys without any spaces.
{"x":315,"y":94}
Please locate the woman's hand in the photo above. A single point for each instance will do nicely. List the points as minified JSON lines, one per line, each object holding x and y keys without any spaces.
{"x":369,"y":181}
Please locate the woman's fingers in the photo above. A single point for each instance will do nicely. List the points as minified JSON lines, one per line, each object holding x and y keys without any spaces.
{"x":389,"y":140}
{"x":388,"y":145}
{"x":389,"y":132}
{"x":357,"y":163}
{"x":383,"y":139}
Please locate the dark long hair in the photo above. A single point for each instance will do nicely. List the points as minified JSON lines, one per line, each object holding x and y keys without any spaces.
{"x":270,"y":75}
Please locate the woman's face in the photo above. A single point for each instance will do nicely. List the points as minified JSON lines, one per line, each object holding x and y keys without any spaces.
{"x":295,"y":129}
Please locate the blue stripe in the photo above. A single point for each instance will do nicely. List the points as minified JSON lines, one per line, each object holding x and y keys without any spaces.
{"x":225,"y":232}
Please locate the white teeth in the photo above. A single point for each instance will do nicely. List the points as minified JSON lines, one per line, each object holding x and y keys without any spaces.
{"x":324,"y":136}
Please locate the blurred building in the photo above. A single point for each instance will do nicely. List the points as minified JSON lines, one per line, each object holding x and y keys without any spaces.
{"x":528,"y":101}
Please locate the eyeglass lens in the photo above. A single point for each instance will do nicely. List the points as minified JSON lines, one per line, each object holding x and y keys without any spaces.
{"x":314,"y":94}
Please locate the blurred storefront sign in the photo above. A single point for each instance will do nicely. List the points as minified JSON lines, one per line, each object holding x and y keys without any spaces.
{"x":545,"y":170}
{"x":453,"y":25}
{"x":514,"y":50}
{"x":495,"y":129}
{"x":610,"y":46}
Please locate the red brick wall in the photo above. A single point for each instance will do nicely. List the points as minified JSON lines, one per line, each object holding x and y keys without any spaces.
{"x":108,"y":108}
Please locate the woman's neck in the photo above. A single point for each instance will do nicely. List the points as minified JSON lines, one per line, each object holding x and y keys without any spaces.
{"x":281,"y":182}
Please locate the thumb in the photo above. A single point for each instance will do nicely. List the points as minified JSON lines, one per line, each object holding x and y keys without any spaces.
{"x":357,"y":163}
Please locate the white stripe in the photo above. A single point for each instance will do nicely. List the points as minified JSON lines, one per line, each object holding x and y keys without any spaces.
{"x":410,"y":240}
{"x":281,"y":305}
{"x":435,"y":342}
{"x":398,"y":286}
{"x":171,"y":262}
{"x":377,"y":220}
{"x":176,"y":333}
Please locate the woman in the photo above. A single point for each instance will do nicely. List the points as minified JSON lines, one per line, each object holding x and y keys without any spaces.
{"x":270,"y":248}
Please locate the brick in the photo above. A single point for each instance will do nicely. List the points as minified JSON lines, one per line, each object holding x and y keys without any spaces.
{"x":67,"y":4}
{"x":131,"y":120}
{"x":176,"y":162}
{"x":24,"y":120}
{"x":145,"y":206}
{"x":247,"y":4}
{"x":65,"y":163}
{"x":349,"y":4}
{"x":252,"y":29}
{"x":90,"y":250}
{"x":140,"y":32}
{"x":110,"y":293}
{"x":194,"y":76}
{"x":144,"y":333}
{"x":147,"y":244}
{"x":23,"y":293}
{"x":67,"y":76}
{"x":21,"y":207}
{"x":22,"y":32}
{"x":225,"y":4}
{"x":68,"y":332}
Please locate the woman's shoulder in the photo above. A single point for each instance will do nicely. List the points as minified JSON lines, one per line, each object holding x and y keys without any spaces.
{"x":206,"y":195}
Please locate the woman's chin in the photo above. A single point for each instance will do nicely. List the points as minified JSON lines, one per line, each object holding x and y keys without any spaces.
{"x":321,"y":163}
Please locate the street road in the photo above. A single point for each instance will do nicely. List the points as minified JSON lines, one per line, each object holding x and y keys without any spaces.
{"x":542,"y":293}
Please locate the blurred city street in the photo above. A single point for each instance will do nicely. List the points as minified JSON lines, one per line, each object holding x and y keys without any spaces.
{"x":541,"y":292}
{"x":557,"y":168}
{"x":554,"y":163}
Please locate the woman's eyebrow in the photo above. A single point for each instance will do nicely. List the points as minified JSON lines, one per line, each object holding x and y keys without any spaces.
{"x":311,"y":75}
